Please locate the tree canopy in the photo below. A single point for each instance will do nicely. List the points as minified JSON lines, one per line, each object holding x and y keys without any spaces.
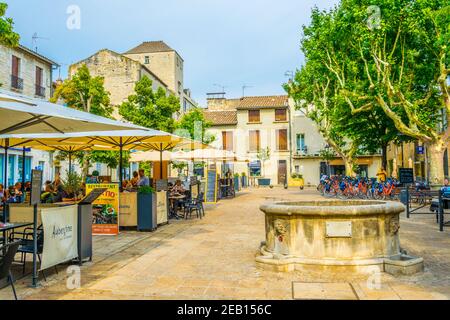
{"x":85,"y":92}
{"x":7,"y":35}
{"x":375,"y":69}
{"x":194,"y":124}
{"x":150,"y":109}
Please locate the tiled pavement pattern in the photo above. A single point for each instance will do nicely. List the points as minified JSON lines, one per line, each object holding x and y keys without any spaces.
{"x":213,"y":258}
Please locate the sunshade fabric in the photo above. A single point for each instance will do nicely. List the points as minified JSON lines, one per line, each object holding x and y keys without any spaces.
{"x":210,"y":154}
{"x":144,"y":156}
{"x":103,"y":140}
{"x":22,"y":115}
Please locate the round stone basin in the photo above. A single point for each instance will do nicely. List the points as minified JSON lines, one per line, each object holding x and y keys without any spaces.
{"x":341,"y":233}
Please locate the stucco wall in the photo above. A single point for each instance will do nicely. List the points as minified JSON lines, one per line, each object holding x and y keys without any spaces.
{"x":27,"y":71}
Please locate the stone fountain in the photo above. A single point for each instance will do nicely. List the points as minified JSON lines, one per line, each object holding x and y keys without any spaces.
{"x":335,"y":236}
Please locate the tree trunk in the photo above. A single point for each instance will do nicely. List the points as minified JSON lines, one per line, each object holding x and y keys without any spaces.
{"x":436,"y":152}
{"x":384,"y":156}
{"x":85,"y":167}
{"x":349,"y":165}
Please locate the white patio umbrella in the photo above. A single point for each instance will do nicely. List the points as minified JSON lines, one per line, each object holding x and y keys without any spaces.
{"x":117,"y":140}
{"x":143,"y":156}
{"x":21,"y":115}
{"x":211,"y":154}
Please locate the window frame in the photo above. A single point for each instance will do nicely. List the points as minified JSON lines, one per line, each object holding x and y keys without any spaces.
{"x":257,"y":134}
{"x":278,"y":140}
{"x":250,"y":117}
{"x":285,"y":117}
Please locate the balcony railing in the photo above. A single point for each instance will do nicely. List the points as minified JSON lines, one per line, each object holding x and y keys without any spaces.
{"x":40,"y":91}
{"x":16,"y":82}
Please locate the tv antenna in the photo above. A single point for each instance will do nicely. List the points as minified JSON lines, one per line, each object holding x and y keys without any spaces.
{"x":243,"y":89}
{"x":220,"y":86}
{"x":35,"y":38}
{"x":289,"y":74}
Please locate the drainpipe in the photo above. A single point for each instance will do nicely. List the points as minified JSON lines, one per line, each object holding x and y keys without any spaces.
{"x":290,"y":142}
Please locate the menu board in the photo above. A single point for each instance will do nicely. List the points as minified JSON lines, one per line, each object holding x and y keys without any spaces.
{"x":162,"y":185}
{"x":105,"y":209}
{"x":36,"y":185}
{"x":211,"y":187}
{"x":406,"y":175}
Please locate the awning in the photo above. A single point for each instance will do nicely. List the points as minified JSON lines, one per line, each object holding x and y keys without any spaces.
{"x":20,"y":115}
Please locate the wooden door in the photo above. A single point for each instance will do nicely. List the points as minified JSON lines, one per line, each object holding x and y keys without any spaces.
{"x":282,"y":172}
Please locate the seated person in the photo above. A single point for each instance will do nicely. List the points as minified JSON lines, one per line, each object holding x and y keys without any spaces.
{"x":59,"y":193}
{"x":27,"y":187}
{"x":2,"y":192}
{"x":134,"y":181}
{"x":48,"y":195}
{"x":18,"y":192}
{"x":178,"y":188}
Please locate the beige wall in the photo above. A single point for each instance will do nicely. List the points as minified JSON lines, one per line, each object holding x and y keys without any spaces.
{"x":168,"y":66}
{"x":120,"y":74}
{"x":267,"y":129}
{"x":27,"y":71}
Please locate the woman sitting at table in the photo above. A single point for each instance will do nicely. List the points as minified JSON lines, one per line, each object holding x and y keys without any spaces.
{"x":134,"y":181}
{"x":178,"y":188}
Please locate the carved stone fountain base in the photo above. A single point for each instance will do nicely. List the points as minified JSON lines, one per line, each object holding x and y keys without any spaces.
{"x":350,"y":236}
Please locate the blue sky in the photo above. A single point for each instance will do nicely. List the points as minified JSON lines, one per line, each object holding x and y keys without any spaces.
{"x":226,"y":42}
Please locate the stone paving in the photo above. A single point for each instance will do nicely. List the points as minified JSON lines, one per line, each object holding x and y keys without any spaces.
{"x":213,"y":258}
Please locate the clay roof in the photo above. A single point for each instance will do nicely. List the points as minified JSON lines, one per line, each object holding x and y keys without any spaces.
{"x":261,"y":102}
{"x":37,"y":55}
{"x":150,"y":47}
{"x":219,"y":118}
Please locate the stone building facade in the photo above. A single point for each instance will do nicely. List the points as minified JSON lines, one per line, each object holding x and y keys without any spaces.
{"x":120,"y":73}
{"x":168,"y":65}
{"x":293,"y":139}
{"x":28,"y":73}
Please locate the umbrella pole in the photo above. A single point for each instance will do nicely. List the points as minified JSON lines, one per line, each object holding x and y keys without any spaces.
{"x":6,"y":163}
{"x":161,"y":161}
{"x":70,"y":162}
{"x":23,"y":169}
{"x":120,"y":166}
{"x":5,"y":187}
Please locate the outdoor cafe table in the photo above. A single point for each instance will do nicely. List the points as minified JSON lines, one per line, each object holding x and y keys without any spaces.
{"x":174,"y":205}
{"x":4,"y":228}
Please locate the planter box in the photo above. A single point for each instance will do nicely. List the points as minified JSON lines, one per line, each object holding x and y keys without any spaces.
{"x":244,"y":182}
{"x":263,"y":182}
{"x":146,"y":212}
{"x":236,"y":184}
{"x":296,"y":182}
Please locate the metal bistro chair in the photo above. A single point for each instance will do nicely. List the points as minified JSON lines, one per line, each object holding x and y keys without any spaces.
{"x":26,"y":246}
{"x":7,"y":254}
{"x":195,"y":205}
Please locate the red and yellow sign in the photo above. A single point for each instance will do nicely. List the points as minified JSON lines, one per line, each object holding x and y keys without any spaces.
{"x":105,"y":209}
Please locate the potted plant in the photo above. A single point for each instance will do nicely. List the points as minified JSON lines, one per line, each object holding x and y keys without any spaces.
{"x":146,"y":209}
{"x":236,"y":182}
{"x":244,"y":179}
{"x":263,"y":155}
{"x":72,"y":186}
{"x":297,"y":180}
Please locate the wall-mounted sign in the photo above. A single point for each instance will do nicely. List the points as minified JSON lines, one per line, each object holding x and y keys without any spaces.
{"x":339,"y":229}
{"x":420,"y":150}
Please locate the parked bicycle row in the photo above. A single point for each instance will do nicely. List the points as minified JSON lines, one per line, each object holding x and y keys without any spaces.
{"x":360,"y":187}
